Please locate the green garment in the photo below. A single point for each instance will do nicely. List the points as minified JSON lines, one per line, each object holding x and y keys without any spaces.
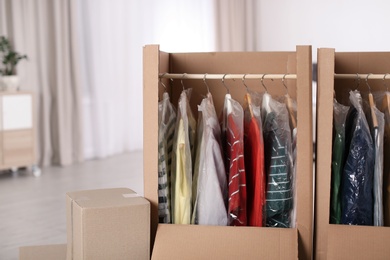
{"x":278,"y":168}
{"x":338,"y":159}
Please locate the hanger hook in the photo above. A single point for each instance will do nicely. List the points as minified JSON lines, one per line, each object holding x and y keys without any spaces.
{"x":368,"y":85}
{"x":384,"y":81}
{"x":262,"y":82}
{"x":160,"y":79}
{"x":243,"y":81}
{"x":223,"y":82}
{"x":284,"y":84}
{"x":358,"y":81}
{"x":181,"y":80}
{"x":204,"y":81}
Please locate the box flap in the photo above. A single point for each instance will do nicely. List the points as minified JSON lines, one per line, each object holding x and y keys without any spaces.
{"x":106,"y":198}
{"x":44,"y":252}
{"x":358,"y":242}
{"x":216,"y":242}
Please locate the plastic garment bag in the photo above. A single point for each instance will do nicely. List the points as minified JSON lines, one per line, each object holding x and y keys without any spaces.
{"x":338,"y":159}
{"x":377,"y":132}
{"x":293,"y":117}
{"x":384,"y":105}
{"x":166,"y":130}
{"x":183,"y":151}
{"x":278,"y":162}
{"x":232,"y":131}
{"x":254,"y":159}
{"x":210,"y":176}
{"x":357,"y":180}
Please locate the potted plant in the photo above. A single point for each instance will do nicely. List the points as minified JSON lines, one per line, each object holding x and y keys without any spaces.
{"x":10,"y":58}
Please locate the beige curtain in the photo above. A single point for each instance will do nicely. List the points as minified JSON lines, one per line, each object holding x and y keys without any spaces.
{"x":45,"y":30}
{"x":235,"y":25}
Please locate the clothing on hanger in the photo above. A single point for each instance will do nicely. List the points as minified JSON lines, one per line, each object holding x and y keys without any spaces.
{"x":386,"y":162}
{"x":357,"y":179}
{"x":232,"y":129}
{"x":254,"y":159}
{"x":377,"y":132}
{"x":278,"y":162}
{"x":292,"y":110}
{"x":183,"y":162}
{"x":166,"y":129}
{"x":210,"y":176}
{"x":338,"y":160}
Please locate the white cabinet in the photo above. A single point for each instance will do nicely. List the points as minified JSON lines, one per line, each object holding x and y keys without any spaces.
{"x":17,"y":130}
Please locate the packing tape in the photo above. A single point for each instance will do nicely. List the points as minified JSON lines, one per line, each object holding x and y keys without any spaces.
{"x":131,"y":195}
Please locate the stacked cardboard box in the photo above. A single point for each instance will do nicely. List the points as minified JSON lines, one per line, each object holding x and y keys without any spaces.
{"x":343,"y":241}
{"x":101,"y":224}
{"x":197,"y":242}
{"x":45,"y":252}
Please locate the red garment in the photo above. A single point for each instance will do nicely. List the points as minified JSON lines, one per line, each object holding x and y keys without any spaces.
{"x":237,"y":180}
{"x":254,"y":166}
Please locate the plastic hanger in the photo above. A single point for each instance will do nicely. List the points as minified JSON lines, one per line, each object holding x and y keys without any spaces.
{"x":372,"y":104}
{"x":248,"y":97}
{"x":228,"y":96}
{"x":289,"y":105}
{"x":266,"y":97}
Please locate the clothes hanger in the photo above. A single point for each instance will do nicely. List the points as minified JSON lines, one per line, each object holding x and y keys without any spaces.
{"x":248,"y":97}
{"x":181,"y":80}
{"x":204,"y":81}
{"x":289,"y":105}
{"x":266,"y":97}
{"x":228,"y":96}
{"x":386,"y":98}
{"x":372,"y":104}
{"x":208,"y":89}
{"x":162,"y":84}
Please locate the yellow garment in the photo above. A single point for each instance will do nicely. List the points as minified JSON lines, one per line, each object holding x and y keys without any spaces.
{"x":182,"y":200}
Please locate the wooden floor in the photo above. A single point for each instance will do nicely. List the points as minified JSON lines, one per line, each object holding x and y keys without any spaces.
{"x":32,"y":209}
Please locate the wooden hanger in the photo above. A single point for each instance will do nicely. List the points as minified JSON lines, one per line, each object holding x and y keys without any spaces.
{"x":372,"y":104}
{"x":289,"y":104}
{"x":386,"y":102}
{"x":248,"y":97}
{"x":386,"y":98}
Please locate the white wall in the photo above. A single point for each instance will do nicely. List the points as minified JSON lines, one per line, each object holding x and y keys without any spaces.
{"x":341,"y":24}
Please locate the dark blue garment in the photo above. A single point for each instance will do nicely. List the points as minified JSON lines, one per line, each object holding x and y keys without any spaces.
{"x":357,"y":179}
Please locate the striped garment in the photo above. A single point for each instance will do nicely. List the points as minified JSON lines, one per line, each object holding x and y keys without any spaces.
{"x":232,"y":128}
{"x":237,"y":178}
{"x":277,"y":141}
{"x":166,"y":130}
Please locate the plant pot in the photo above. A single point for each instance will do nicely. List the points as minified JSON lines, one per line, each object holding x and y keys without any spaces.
{"x":9,"y":83}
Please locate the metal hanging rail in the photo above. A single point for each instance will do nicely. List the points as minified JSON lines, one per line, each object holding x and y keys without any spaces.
{"x":226,"y":76}
{"x":361,"y":76}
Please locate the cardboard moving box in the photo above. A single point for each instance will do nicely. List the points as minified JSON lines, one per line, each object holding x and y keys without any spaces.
{"x":46,"y":252}
{"x":299,"y":63}
{"x":107,"y":224}
{"x":343,"y":241}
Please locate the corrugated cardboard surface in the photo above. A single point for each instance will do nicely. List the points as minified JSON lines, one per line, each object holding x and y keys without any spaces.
{"x":44,"y":252}
{"x":108,"y":224}
{"x":341,"y":241}
{"x":299,"y":62}
{"x":213,"y":242}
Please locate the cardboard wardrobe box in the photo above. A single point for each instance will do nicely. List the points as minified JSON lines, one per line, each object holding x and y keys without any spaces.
{"x":343,"y":241}
{"x":172,"y":241}
{"x":107,"y":224}
{"x":44,"y":252}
